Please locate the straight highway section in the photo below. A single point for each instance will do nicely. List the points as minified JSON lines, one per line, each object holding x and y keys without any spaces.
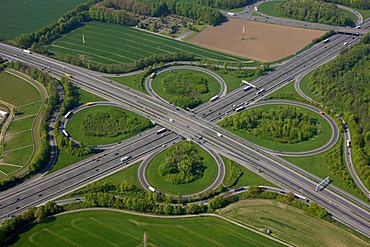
{"x":351,"y":211}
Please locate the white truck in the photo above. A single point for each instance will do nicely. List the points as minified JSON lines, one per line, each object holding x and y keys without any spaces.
{"x":26,"y":51}
{"x":151,"y":189}
{"x":127,"y":157}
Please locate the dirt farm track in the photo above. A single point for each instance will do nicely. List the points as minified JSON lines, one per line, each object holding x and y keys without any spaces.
{"x":262,"y":41}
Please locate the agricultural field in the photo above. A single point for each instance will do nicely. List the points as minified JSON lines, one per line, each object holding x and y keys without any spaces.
{"x":113,"y":44}
{"x":261,"y":42}
{"x":20,"y":16}
{"x":109,"y":228}
{"x":290,"y":224}
{"x":198,"y":185}
{"x":18,"y":144}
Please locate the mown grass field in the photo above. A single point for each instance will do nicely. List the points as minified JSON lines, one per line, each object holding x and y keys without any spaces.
{"x":113,"y":44}
{"x":20,"y":125}
{"x":18,"y":143}
{"x":213,"y":85}
{"x":17,"y":91}
{"x":65,"y":159}
{"x":268,"y":8}
{"x":290,"y":224}
{"x":318,"y":141}
{"x":75,"y":126}
{"x":19,"y":16}
{"x":317,"y":165}
{"x":248,"y":177}
{"x":156,"y":181}
{"x":107,"y":228}
{"x":129,"y":81}
{"x":85,"y":97}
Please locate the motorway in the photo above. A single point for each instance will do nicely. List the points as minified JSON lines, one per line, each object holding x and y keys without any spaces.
{"x":344,"y":207}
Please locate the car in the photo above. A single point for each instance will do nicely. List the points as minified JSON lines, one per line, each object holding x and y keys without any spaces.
{"x":164,"y":145}
{"x":322,"y":113}
{"x":40,"y":194}
{"x":234,"y":105}
{"x":345,"y":43}
{"x":226,"y":114}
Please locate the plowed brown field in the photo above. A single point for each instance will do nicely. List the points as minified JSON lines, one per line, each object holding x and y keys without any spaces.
{"x":262,"y":41}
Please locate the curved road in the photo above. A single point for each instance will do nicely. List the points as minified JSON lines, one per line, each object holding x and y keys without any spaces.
{"x":221,"y":81}
{"x":347,"y":136}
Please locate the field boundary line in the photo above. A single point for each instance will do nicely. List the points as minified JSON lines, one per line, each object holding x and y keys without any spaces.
{"x":19,"y":132}
{"x":15,"y":149}
{"x":7,"y":164}
{"x":61,"y":237}
{"x":34,"y":102}
{"x":21,"y":118}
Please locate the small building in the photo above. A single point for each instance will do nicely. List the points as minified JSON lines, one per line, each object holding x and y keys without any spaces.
{"x":3,"y":113}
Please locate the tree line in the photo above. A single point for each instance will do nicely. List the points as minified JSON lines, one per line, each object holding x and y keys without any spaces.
{"x":343,"y":84}
{"x":313,"y":11}
{"x":182,"y":164}
{"x":113,"y":123}
{"x":358,"y":4}
{"x":71,"y":101}
{"x":42,"y":155}
{"x":286,"y":124}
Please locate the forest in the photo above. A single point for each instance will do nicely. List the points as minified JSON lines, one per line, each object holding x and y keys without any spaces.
{"x":286,"y":124}
{"x":344,"y":85}
{"x":182,"y":164}
{"x":313,"y":11}
{"x":113,"y":123}
{"x":185,"y":89}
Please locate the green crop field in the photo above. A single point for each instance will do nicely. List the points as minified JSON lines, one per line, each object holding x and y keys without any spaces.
{"x":290,"y":224}
{"x":74,"y":126}
{"x":108,"y":228}
{"x":316,"y":142}
{"x":20,"y":16}
{"x":113,"y":44}
{"x":198,"y":185}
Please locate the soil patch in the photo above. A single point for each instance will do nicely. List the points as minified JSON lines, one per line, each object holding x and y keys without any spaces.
{"x":262,"y":41}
